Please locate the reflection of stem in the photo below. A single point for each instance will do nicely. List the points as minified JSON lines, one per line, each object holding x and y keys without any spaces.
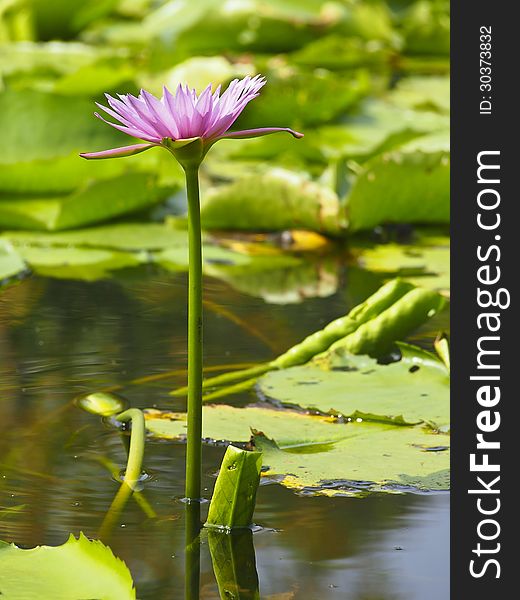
{"x":139,"y":497}
{"x":192,"y":550}
{"x":194,"y":441}
{"x":115,"y":510}
{"x":132,"y":471}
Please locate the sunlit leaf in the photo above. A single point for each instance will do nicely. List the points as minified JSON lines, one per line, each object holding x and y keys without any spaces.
{"x":408,"y":184}
{"x":319,"y":455}
{"x":80,"y":568}
{"x":234,"y":496}
{"x":278,"y":200}
{"x":98,"y":201}
{"x":412,"y":390}
{"x":426,"y":263}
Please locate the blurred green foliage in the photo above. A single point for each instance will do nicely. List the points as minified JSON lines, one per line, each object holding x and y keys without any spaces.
{"x":366,"y":80}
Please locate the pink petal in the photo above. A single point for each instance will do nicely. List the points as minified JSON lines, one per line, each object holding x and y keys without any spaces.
{"x":131,"y":130}
{"x":118,"y":152}
{"x":251,"y":133}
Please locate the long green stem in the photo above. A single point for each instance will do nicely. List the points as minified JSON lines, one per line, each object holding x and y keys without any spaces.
{"x":132,"y":472}
{"x":194,"y":446}
{"x":136,"y":448}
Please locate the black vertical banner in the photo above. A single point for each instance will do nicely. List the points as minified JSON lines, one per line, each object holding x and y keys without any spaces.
{"x":485,"y":334}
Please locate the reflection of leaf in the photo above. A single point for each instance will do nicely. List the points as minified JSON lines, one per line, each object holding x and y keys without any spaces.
{"x":319,"y":455}
{"x":413,"y":390}
{"x":80,"y":568}
{"x":280,"y":279}
{"x":234,"y":563}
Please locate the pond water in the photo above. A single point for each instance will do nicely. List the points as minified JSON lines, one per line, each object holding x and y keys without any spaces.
{"x":60,"y":338}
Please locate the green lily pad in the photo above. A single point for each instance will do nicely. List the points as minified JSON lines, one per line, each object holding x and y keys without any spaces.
{"x":422,"y":93}
{"x":118,"y":236}
{"x":77,"y":263}
{"x":376,"y":458}
{"x":80,"y":568}
{"x":321,"y":455}
{"x":95,"y":202}
{"x":409,"y":184}
{"x":410,"y":391}
{"x":277,"y":200}
{"x":425,"y":263}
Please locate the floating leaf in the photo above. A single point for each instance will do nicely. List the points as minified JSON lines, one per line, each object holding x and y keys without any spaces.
{"x":291,"y":91}
{"x":373,"y":458}
{"x":80,"y":568}
{"x":76,"y":263}
{"x":412,"y":390}
{"x":340,"y":52}
{"x":422,"y":93}
{"x":409,"y":184}
{"x":96,"y":202}
{"x":426,"y":28}
{"x":278,"y":200}
{"x":37,"y":126}
{"x":426,"y":263}
{"x":319,"y":455}
{"x":118,"y":236}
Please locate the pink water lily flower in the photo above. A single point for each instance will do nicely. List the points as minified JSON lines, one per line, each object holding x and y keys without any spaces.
{"x":177,"y":120}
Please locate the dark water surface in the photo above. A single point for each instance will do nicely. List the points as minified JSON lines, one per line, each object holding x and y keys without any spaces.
{"x":62,"y":338}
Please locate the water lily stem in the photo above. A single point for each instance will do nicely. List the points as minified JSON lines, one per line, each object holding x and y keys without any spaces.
{"x":194,"y":446}
{"x":136,"y":448}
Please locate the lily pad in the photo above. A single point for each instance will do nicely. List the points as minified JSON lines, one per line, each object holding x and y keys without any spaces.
{"x":118,"y":236}
{"x":277,"y":200}
{"x":376,"y":458}
{"x":425,"y":263}
{"x":409,"y":184}
{"x":410,"y":391}
{"x":321,"y":455}
{"x":77,"y":263}
{"x":95,"y":202}
{"x":80,"y":568}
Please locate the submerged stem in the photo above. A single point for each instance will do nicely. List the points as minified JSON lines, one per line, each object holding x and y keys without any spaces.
{"x":194,"y":442}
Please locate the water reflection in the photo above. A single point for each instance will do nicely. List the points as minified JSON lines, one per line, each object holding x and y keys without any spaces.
{"x":234,"y":563}
{"x":58,"y":465}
